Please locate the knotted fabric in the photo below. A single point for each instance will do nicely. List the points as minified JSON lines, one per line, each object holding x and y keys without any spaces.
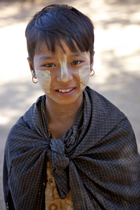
{"x":96,"y":158}
{"x":59,"y":159}
{"x":59,"y":163}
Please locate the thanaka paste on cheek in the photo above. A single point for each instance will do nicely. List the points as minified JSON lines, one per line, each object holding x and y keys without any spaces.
{"x":44,"y":79}
{"x":84,"y":73}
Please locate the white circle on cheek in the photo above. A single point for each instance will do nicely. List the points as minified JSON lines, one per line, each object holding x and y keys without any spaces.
{"x":44,"y":79}
{"x":84,"y":73}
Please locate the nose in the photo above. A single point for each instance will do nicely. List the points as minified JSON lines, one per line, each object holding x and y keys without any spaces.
{"x":65,"y":73}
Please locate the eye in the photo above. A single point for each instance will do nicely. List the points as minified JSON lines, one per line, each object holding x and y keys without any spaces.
{"x":76,"y":62}
{"x":49,"y":65}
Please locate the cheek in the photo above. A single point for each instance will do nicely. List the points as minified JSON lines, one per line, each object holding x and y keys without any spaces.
{"x":84,"y":74}
{"x":44,"y":79}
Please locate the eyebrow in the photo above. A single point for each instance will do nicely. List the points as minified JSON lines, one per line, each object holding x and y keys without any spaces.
{"x":45,"y":57}
{"x":78,"y":53}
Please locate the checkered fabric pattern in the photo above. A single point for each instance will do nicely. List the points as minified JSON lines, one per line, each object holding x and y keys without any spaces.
{"x":97,"y":159}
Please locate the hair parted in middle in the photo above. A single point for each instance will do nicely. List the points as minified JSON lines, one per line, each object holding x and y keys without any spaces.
{"x":60,"y":22}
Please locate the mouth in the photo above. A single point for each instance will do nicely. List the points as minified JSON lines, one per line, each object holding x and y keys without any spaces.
{"x":66,"y":91}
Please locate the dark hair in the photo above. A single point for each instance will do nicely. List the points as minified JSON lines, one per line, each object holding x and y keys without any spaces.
{"x":56,"y":22}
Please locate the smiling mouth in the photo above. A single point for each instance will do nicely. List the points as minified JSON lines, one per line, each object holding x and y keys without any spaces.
{"x":65,"y":91}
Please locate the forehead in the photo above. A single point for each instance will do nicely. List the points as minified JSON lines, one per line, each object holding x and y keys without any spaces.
{"x":62,"y":48}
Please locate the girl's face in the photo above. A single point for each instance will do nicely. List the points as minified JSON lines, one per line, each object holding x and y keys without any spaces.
{"x":62,"y":75}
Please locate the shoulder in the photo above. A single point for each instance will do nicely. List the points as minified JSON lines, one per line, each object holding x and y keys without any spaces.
{"x":34,"y":113}
{"x":25,"y":131}
{"x":102,"y":105}
{"x":111,"y":119}
{"x":28,"y":120}
{"x":108,"y":116}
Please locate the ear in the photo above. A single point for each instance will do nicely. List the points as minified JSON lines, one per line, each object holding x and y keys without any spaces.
{"x":31,"y":67}
{"x":92,"y":61}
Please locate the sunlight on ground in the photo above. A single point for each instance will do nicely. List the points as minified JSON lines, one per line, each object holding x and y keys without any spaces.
{"x":13,"y":51}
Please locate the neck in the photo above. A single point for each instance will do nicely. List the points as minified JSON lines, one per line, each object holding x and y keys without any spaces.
{"x":61,"y":116}
{"x":62,"y":113}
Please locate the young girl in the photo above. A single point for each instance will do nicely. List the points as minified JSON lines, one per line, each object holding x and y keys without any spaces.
{"x":72,"y":149}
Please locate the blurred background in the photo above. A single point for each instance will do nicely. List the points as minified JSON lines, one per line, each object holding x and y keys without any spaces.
{"x":116,"y":62}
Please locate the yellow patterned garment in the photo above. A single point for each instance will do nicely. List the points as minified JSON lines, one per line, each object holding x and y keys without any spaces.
{"x":52,"y":199}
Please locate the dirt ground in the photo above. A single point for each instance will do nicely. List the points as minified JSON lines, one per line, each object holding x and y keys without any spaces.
{"x":117,"y":59}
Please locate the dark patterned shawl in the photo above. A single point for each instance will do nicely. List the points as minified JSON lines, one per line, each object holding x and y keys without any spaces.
{"x":97,"y":159}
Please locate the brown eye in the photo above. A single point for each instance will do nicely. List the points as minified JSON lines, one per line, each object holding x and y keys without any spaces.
{"x":76,"y":62}
{"x":49,"y":65}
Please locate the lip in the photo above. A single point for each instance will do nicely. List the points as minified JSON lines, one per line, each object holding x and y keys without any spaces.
{"x":66,"y":93}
